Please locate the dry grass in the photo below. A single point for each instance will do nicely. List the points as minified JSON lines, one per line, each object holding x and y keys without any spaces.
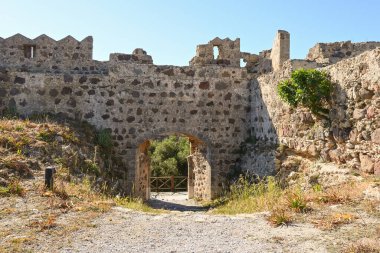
{"x":364,"y":246}
{"x":280,"y":217}
{"x":334,"y":220}
{"x":249,"y":198}
{"x":16,"y":164}
{"x":72,"y":204}
{"x":47,"y":222}
{"x":372,"y":207}
{"x":285,"y":205}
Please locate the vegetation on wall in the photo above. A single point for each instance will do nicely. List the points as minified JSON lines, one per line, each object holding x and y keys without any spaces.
{"x":310,"y":88}
{"x":169,"y":156}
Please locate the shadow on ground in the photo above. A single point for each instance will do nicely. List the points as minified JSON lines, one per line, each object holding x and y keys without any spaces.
{"x":174,"y":202}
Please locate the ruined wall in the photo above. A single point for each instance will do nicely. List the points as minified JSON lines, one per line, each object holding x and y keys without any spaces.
{"x":138,"y":102}
{"x":229,"y":53}
{"x":280,"y":50}
{"x":352,"y":137}
{"x":228,"y":108}
{"x":330,"y":53}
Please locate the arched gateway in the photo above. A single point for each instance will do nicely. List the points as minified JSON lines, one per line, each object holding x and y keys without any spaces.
{"x":199,"y":168}
{"x":208,"y":101}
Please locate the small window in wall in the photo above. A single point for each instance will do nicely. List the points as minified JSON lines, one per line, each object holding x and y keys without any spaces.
{"x":216,"y":52}
{"x":242,"y":63}
{"x":29,"y":51}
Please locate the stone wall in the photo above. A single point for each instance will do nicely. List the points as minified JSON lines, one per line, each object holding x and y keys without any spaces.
{"x":138,"y":102}
{"x":228,"y":112}
{"x":352,"y":136}
{"x":330,"y":53}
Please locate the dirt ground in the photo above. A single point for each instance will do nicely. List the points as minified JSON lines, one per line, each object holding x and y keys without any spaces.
{"x":123,"y":230}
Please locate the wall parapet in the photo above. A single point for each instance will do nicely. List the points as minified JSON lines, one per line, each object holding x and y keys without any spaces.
{"x":44,"y":50}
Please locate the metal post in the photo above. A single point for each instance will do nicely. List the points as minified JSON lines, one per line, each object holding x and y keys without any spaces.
{"x":49,"y":179}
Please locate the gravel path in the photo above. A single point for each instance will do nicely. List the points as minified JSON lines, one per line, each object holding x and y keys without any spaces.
{"x":190,"y":228}
{"x":124,"y":230}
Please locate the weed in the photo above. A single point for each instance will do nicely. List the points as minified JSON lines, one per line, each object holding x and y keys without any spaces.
{"x":91,"y":167}
{"x":16,"y":188}
{"x":279,"y":217}
{"x":47,"y":223}
{"x":4,"y":191}
{"x":13,"y":188}
{"x":297,"y":202}
{"x":46,"y":135}
{"x":317,"y":188}
{"x":19,"y":128}
{"x":70,"y":136}
{"x":104,"y":139}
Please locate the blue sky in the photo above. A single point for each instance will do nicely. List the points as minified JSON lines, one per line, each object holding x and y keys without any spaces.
{"x":169,"y":30}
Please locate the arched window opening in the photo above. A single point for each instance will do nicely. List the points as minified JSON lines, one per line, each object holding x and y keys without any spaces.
{"x":216,"y":52}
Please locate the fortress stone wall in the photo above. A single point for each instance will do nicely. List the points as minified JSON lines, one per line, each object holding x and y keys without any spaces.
{"x":219,"y":105}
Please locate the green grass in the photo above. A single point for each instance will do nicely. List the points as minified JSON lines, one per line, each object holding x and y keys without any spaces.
{"x":249,"y":198}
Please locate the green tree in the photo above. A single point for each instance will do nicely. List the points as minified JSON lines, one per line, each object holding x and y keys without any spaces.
{"x":169,"y":156}
{"x":307,"y":87}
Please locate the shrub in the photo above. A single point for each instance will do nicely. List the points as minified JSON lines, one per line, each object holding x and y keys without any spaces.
{"x":104,"y":139}
{"x":309,"y":88}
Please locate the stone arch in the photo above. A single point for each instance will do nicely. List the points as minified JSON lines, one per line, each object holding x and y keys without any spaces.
{"x":199,"y":166}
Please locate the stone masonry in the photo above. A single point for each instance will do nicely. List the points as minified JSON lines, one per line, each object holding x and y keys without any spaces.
{"x":216,"y":103}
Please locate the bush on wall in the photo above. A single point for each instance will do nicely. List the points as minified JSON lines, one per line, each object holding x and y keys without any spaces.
{"x":310,"y":88}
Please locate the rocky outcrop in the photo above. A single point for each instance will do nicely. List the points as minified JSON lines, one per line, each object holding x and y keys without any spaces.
{"x":350,"y":137}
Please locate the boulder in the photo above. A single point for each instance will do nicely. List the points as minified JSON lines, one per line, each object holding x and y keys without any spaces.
{"x":366,"y":164}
